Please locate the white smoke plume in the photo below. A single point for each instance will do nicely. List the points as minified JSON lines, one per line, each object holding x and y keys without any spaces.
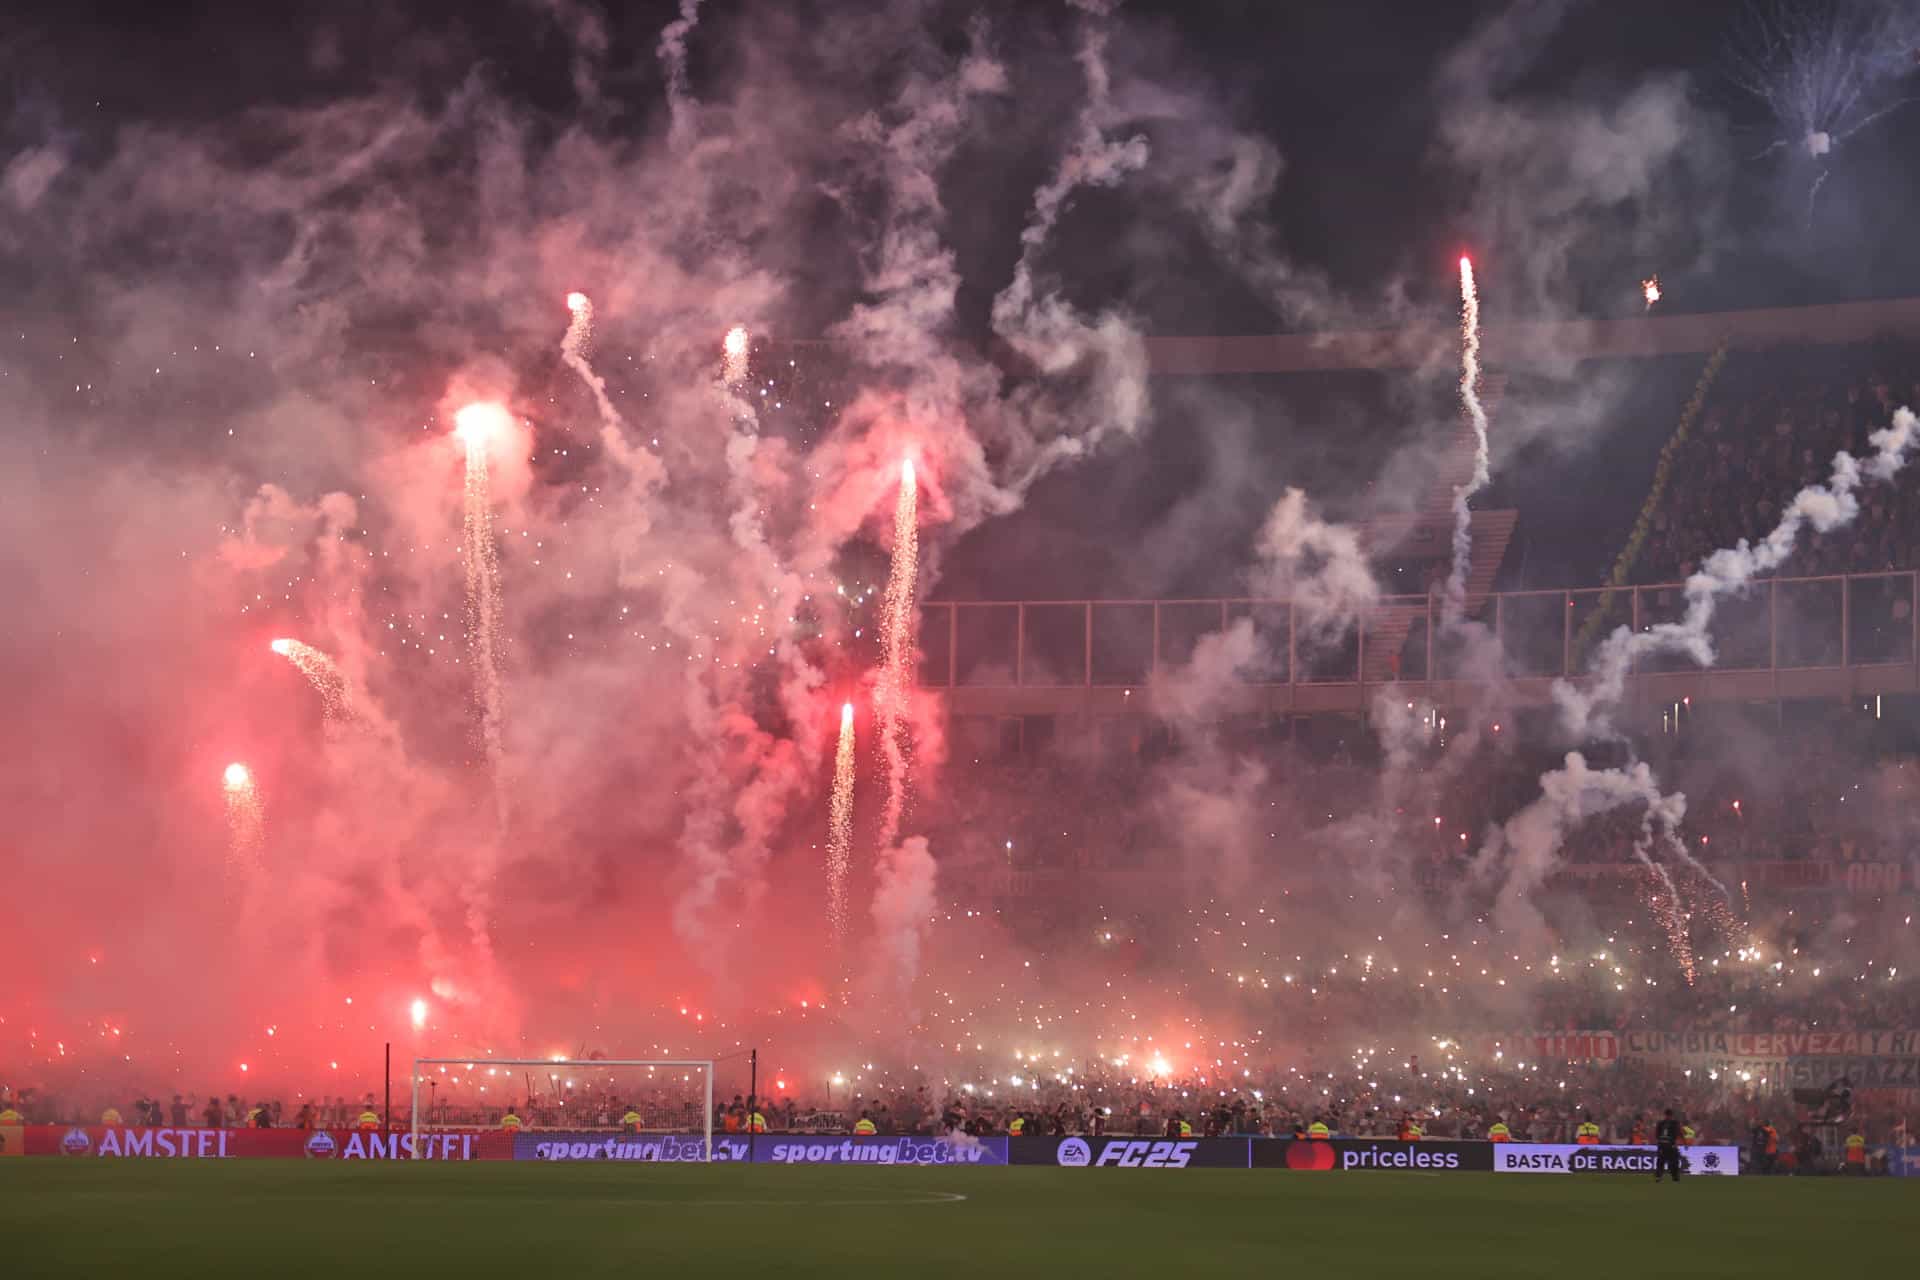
{"x":1042,"y":325}
{"x":1314,"y":564}
{"x":904,"y":900}
{"x":1202,"y":688}
{"x":1822,"y":507}
{"x":1529,"y":843}
{"x":1524,"y":850}
{"x":1318,"y":565}
{"x":681,"y":107}
{"x":1554,"y":172}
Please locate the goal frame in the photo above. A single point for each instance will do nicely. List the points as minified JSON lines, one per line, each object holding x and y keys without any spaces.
{"x":705,"y":1064}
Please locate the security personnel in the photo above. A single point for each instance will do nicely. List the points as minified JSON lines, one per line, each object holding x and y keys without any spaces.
{"x":1186,"y":1130}
{"x":1409,"y":1128}
{"x":1639,"y":1138}
{"x":111,"y":1116}
{"x":630,"y":1122}
{"x":9,"y":1116}
{"x":864,"y":1127}
{"x":756,"y":1123}
{"x":1856,"y":1153}
{"x":1498,"y":1132}
{"x":1687,"y":1136}
{"x":253,"y":1117}
{"x":1017,"y":1127}
{"x":369,"y":1119}
{"x":510,"y":1122}
{"x":1318,"y":1131}
{"x":1770,"y":1152}
{"x":1666,"y":1157}
{"x":1588,"y":1134}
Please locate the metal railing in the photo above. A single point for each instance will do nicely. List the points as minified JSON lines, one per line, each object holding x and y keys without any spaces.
{"x":1780,"y":624}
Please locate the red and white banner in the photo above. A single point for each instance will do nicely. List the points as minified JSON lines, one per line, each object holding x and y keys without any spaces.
{"x":1549,"y":1046}
{"x":1854,"y":877}
{"x":1863,"y":878}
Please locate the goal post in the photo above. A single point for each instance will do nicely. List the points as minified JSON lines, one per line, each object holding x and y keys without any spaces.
{"x":562,"y":1095}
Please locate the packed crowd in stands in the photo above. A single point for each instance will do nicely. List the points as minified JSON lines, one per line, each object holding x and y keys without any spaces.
{"x":1773,"y":422}
{"x":1447,"y":1080}
{"x":1543,"y":1105}
{"x":1536,"y":1102}
{"x":1826,"y":961}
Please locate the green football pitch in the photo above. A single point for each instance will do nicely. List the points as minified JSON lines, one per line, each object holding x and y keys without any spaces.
{"x":296,"y":1218}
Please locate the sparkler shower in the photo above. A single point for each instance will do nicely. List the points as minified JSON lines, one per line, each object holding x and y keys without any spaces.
{"x":321,"y":673}
{"x":735,"y":347}
{"x":246,"y":819}
{"x":945,"y":368}
{"x":478,"y":426}
{"x":1456,"y":594}
{"x":840,"y":826}
{"x":893,"y":689}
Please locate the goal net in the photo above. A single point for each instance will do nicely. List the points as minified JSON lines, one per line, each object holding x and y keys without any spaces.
{"x":570,"y":1108}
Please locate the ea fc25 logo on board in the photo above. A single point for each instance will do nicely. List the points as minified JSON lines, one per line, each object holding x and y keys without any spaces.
{"x":1074,"y":1153}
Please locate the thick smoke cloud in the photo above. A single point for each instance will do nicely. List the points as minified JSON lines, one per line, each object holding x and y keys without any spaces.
{"x":270,"y":320}
{"x":670,"y":551}
{"x":1318,"y":565}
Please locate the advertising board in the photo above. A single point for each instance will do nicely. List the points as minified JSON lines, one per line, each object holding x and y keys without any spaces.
{"x":158,"y":1143}
{"x":1545,"y":1157}
{"x":1132,"y":1153}
{"x":1436,"y":1156}
{"x":867,"y":1151}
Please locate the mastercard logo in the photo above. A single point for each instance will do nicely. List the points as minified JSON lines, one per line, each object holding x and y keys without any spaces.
{"x":1310,"y":1155}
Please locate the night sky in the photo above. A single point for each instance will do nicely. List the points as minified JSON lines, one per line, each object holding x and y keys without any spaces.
{"x":1375,"y":198}
{"x":1350,"y":93}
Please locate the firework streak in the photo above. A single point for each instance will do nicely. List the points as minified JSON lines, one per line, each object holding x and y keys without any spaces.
{"x":482,"y":562}
{"x":320,"y":672}
{"x":1454,"y":603}
{"x":840,"y":828}
{"x":573,"y":350}
{"x":895,"y":684}
{"x":246,"y":819}
{"x":736,"y":349}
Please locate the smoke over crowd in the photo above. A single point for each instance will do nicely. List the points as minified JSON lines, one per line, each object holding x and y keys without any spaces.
{"x":447,"y":522}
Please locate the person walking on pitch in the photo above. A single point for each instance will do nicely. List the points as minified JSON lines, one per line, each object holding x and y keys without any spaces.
{"x":1666,"y":1136}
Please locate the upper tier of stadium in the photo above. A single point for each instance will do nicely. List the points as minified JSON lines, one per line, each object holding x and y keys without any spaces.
{"x":1602,"y":477}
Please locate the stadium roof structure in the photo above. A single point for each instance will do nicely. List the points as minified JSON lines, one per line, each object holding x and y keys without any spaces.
{"x":1518,"y":346}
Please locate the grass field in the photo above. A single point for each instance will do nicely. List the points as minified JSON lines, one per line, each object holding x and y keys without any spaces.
{"x":296,"y":1218}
